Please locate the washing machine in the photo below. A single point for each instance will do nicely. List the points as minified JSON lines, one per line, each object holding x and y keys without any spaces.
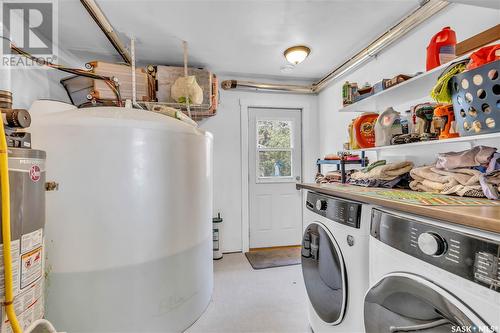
{"x":335,"y":262}
{"x":431,"y":276}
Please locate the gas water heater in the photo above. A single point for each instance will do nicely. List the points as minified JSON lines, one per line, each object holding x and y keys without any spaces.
{"x":27,"y":221}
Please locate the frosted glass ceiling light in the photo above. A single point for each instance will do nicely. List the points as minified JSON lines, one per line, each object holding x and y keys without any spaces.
{"x":296,"y":54}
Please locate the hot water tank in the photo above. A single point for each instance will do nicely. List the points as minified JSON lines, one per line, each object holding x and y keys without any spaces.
{"x":128,"y":234}
{"x":26,"y":174}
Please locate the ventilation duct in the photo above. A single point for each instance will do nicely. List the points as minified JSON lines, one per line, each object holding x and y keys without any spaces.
{"x":426,"y":10}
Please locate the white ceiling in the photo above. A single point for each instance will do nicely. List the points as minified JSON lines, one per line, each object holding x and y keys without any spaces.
{"x":245,"y":38}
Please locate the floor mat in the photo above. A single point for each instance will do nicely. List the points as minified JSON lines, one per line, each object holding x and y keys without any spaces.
{"x":268,"y":258}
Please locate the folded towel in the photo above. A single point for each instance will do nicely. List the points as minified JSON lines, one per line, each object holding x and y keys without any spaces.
{"x":468,"y":158}
{"x":463,"y":182}
{"x":373,"y":165}
{"x":385,"y":172}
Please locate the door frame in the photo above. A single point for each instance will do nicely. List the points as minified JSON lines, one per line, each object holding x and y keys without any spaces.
{"x":245,"y":105}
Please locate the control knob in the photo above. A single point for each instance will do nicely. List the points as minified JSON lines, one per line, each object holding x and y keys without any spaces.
{"x":321,"y":204}
{"x":431,"y":244}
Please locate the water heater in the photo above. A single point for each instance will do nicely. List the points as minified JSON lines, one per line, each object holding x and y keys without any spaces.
{"x":129,"y":232}
{"x":27,"y":220}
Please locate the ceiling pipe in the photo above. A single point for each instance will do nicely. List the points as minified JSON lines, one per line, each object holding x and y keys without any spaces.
{"x":427,"y":9}
{"x":97,"y":14}
{"x":273,"y":87}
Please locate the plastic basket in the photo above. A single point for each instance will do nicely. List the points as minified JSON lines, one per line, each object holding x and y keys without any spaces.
{"x":476,"y":100}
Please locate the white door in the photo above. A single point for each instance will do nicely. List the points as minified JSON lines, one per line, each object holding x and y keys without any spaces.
{"x":275,"y":206}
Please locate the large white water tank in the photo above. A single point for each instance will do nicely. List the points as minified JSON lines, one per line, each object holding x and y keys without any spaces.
{"x":128,"y":232}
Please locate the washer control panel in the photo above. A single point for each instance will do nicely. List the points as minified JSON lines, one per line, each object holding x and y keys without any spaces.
{"x":431,"y":244}
{"x":468,"y":256}
{"x":336,"y":209}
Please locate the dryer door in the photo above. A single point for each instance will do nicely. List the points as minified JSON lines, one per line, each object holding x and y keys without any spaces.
{"x":402,"y":302}
{"x":324,"y":273}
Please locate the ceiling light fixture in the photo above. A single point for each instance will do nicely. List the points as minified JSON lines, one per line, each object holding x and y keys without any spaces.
{"x":296,"y":54}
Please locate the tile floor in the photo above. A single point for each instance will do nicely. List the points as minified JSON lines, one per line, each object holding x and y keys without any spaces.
{"x":257,"y":301}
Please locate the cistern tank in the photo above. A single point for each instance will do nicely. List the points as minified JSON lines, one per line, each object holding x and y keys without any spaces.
{"x":128,"y":232}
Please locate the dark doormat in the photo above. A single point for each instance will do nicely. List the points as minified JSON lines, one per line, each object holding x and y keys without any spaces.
{"x":268,"y":258}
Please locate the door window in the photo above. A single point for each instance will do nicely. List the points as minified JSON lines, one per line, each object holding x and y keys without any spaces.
{"x":274,"y":149}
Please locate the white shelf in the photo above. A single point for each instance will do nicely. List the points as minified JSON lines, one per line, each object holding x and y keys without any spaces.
{"x":416,"y":88}
{"x":434,"y":142}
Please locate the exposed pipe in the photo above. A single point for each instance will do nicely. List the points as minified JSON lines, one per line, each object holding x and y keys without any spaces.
{"x":235,"y":84}
{"x":97,"y":14}
{"x":427,"y":9}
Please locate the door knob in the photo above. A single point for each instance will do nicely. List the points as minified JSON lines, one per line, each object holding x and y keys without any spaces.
{"x":297,"y":178}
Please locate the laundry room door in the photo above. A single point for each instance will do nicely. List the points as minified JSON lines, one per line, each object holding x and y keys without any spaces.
{"x":275,"y":155}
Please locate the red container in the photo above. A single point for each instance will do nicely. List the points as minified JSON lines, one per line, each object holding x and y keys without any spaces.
{"x":441,"y":49}
{"x":364,"y":129}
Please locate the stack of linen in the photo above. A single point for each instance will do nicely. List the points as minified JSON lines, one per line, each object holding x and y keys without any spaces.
{"x":471,"y":173}
{"x":380,"y":174}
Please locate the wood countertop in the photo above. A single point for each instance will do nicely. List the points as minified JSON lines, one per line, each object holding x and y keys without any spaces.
{"x":481,"y":217}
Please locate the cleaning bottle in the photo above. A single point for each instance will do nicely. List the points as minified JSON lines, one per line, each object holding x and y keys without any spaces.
{"x":441,"y":49}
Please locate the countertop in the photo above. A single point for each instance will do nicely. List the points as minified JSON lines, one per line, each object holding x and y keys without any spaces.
{"x":481,"y":217}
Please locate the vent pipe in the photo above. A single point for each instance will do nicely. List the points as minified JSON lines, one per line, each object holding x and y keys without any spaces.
{"x":427,"y":9}
{"x":97,"y":14}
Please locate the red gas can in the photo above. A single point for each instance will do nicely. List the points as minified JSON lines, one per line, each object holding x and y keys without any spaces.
{"x":441,"y":49}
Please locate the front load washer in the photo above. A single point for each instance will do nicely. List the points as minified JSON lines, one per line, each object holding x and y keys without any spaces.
{"x":431,"y":276}
{"x":335,"y":262}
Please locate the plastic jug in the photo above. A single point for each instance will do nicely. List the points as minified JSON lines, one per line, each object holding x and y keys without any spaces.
{"x":441,"y":49}
{"x":387,"y":125}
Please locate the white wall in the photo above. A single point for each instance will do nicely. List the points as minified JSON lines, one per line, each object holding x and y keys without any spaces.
{"x":406,"y":56}
{"x":226,"y":129}
{"x":28,"y":85}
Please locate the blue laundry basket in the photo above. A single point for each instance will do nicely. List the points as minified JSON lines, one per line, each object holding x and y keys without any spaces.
{"x":476,"y":100}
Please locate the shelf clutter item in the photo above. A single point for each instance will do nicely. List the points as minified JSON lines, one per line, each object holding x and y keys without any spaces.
{"x":352,"y":94}
{"x":352,"y":143}
{"x":484,"y":56}
{"x":424,"y":115}
{"x":166,"y":76}
{"x":364,"y":92}
{"x":475,"y":96}
{"x":382,"y":174}
{"x":441,"y":48}
{"x":472,"y":173}
{"x":400,"y":78}
{"x":387,"y":126}
{"x":349,"y":90}
{"x":441,"y":91}
{"x":364,"y":130}
{"x":340,"y":160}
{"x":84,"y":91}
{"x":446,"y":114}
{"x":186,"y":90}
{"x":154,"y":86}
